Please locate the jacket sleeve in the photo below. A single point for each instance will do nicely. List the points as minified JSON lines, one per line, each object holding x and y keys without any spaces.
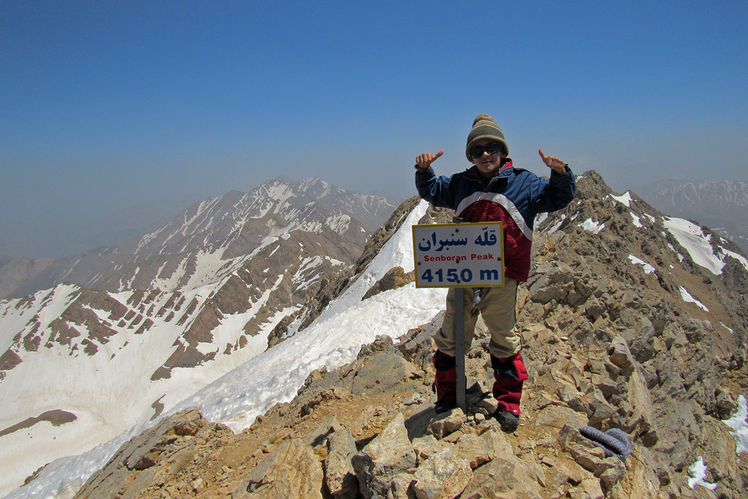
{"x":557,"y":192}
{"x":438,"y":191}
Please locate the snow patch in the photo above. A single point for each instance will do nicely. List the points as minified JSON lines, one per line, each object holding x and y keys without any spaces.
{"x":686,"y":296}
{"x":698,"y":245}
{"x":592,"y":226}
{"x":739,"y":424}
{"x":624,"y":198}
{"x":339,"y":223}
{"x":697,"y":472}
{"x":648,"y":269}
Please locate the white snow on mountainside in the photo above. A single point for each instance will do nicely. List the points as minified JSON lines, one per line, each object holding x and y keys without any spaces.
{"x":699,"y":245}
{"x":720,"y":205}
{"x":704,"y":249}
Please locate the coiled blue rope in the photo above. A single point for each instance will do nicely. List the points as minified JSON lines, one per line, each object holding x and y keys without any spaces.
{"x":614,"y":441}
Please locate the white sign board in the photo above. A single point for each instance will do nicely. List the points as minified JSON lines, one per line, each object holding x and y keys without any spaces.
{"x":467,"y":255}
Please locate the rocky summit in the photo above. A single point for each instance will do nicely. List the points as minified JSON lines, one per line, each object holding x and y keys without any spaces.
{"x":634,"y":337}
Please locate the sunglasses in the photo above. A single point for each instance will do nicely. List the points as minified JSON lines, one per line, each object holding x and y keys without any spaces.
{"x":492,"y":148}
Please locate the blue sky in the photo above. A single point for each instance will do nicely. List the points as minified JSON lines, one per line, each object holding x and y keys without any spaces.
{"x":113,"y":114}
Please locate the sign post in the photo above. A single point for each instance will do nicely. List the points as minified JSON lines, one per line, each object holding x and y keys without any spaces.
{"x":466,"y":255}
{"x":460,"y":348}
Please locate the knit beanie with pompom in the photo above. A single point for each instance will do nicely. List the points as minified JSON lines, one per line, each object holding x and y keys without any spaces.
{"x":485,"y":127}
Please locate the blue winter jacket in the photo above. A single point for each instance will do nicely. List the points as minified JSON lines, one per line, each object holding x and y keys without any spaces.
{"x":513,"y":197}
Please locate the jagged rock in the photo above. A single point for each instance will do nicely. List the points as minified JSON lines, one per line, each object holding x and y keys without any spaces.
{"x":446,"y":423}
{"x":443,"y":475}
{"x":479,"y":450}
{"x":383,"y":371}
{"x":598,"y":408}
{"x":610,"y":472}
{"x":620,"y":355}
{"x":590,"y":458}
{"x":636,"y":411}
{"x":417,"y":345}
{"x":558,"y":416}
{"x":401,"y":487}
{"x":581,"y":449}
{"x":388,"y":455}
{"x":291,"y":470}
{"x":726,"y":405}
{"x":395,"y":278}
{"x":588,"y":489}
{"x":340,"y":476}
{"x":504,"y":477}
{"x":428,"y":446}
{"x":569,"y":395}
{"x":160,"y":450}
{"x":485,"y":407}
{"x":638,"y":480}
{"x":323,"y":432}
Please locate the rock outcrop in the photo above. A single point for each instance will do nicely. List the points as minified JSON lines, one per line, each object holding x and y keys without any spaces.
{"x":368,"y":429}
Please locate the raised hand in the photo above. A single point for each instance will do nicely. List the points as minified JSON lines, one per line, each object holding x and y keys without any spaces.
{"x":553,"y":162}
{"x":424,"y":160}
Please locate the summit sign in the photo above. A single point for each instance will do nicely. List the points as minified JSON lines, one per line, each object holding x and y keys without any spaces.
{"x":466,"y":255}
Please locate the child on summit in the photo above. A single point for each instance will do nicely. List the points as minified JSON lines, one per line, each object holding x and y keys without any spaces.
{"x":492,"y":190}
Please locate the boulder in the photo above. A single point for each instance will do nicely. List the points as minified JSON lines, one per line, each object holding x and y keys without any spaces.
{"x":388,"y":455}
{"x":340,"y":476}
{"x":442,"y":476}
{"x":291,"y":470}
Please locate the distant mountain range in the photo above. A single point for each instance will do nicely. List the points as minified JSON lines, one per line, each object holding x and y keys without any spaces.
{"x":221,"y":228}
{"x":720,"y":205}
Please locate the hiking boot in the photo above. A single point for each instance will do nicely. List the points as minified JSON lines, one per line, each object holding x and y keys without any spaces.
{"x":444,"y":406}
{"x":509,"y":422}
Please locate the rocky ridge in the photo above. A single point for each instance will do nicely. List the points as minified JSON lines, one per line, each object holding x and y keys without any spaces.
{"x":610,"y":340}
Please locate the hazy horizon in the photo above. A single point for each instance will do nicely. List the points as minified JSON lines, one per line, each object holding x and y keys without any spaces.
{"x":117,"y":115}
{"x":137,"y":220}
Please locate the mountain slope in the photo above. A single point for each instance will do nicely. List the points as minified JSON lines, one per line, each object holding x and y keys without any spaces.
{"x":196,"y":299}
{"x":722,"y":206}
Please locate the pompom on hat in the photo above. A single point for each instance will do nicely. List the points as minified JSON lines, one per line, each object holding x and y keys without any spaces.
{"x":485,"y":127}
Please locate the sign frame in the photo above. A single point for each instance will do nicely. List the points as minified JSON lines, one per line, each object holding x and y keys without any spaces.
{"x":459,"y":255}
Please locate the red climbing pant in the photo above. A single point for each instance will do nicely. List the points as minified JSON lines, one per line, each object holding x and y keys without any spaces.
{"x":510,"y":373}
